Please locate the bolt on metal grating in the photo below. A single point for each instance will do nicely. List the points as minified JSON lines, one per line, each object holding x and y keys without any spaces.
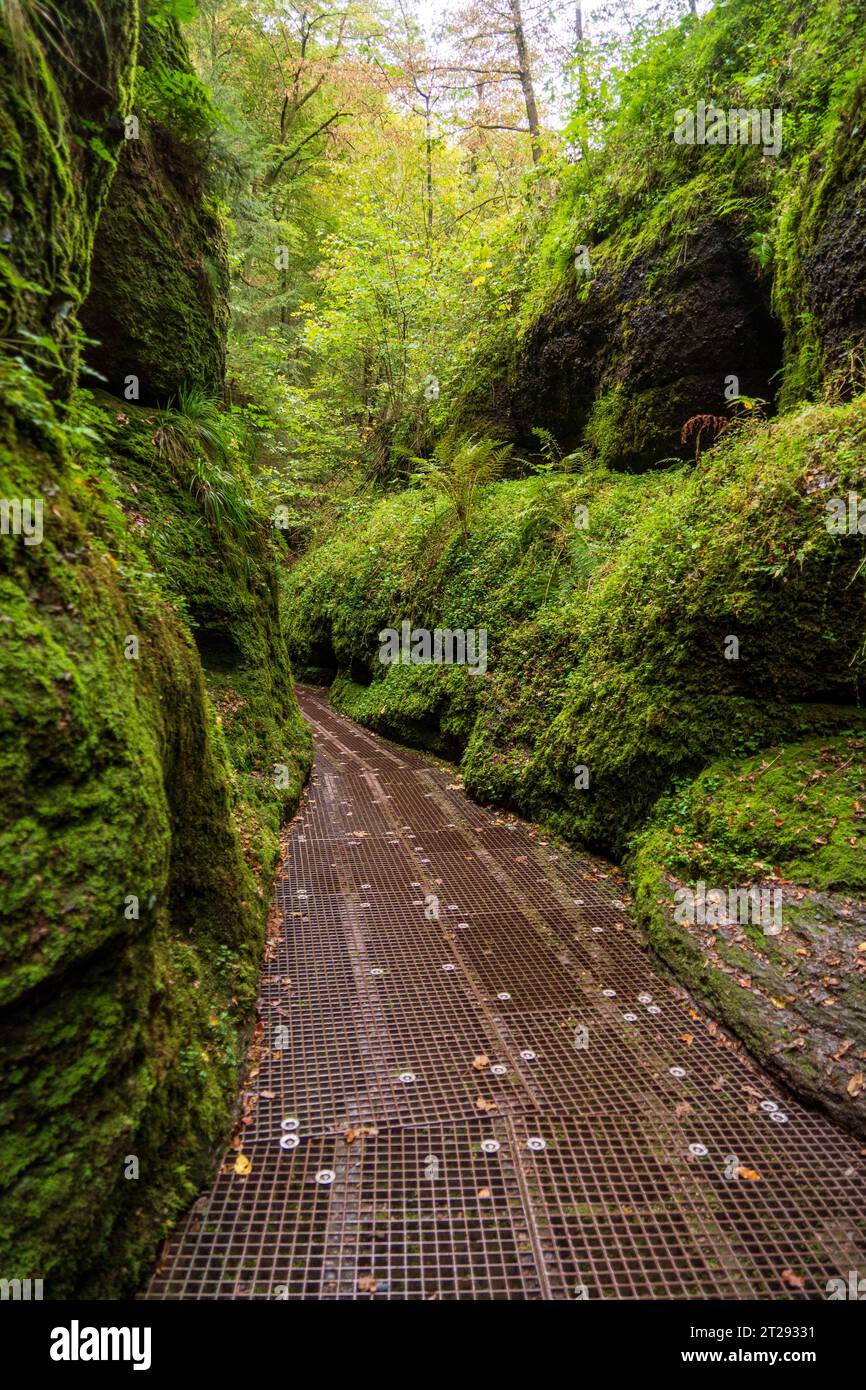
{"x":475,"y":1086}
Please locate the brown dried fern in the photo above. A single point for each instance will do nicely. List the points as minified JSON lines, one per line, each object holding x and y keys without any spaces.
{"x":697,"y":425}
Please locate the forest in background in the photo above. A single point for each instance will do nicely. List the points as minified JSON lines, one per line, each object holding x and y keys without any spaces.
{"x":401,"y":196}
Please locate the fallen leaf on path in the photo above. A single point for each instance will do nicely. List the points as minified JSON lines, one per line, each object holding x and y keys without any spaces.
{"x":480,"y":1062}
{"x":794,"y":1281}
{"x":855,"y":1085}
{"x":748,"y":1174}
{"x":485,"y":1105}
{"x":360,"y":1132}
{"x":243,"y":1165}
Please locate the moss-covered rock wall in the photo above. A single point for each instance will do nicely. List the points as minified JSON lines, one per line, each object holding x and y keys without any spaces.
{"x":820,"y":284}
{"x":789,"y":978}
{"x":620,"y":360}
{"x":61,"y":129}
{"x":609,"y":601}
{"x":138,"y":829}
{"x":158,"y":307}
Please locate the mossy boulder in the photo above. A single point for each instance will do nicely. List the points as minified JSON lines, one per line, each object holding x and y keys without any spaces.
{"x":687,"y":639}
{"x":791,"y":823}
{"x":433,"y":709}
{"x":158,"y":306}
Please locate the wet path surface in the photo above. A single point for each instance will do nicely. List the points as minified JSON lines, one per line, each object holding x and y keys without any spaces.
{"x":473,"y":1083}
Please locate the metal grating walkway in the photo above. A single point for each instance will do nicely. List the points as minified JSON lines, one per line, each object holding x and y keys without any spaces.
{"x":384,"y":1164}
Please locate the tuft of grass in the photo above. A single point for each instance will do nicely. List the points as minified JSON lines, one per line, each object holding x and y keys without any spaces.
{"x":194,"y":434}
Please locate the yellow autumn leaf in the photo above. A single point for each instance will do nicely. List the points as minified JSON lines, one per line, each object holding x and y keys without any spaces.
{"x":243,"y":1165}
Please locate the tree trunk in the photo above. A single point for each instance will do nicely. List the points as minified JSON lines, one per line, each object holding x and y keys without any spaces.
{"x":526,"y":80}
{"x":581,"y":68}
{"x":429,"y":153}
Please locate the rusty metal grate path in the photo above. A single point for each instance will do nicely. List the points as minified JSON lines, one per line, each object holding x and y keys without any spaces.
{"x":556,"y":1170}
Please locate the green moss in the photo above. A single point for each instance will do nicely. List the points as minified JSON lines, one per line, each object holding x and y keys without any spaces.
{"x":738,"y":549}
{"x":432,"y":707}
{"x":633,"y":426}
{"x":114,"y":790}
{"x":788,"y":822}
{"x":224,"y":581}
{"x":798,"y":811}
